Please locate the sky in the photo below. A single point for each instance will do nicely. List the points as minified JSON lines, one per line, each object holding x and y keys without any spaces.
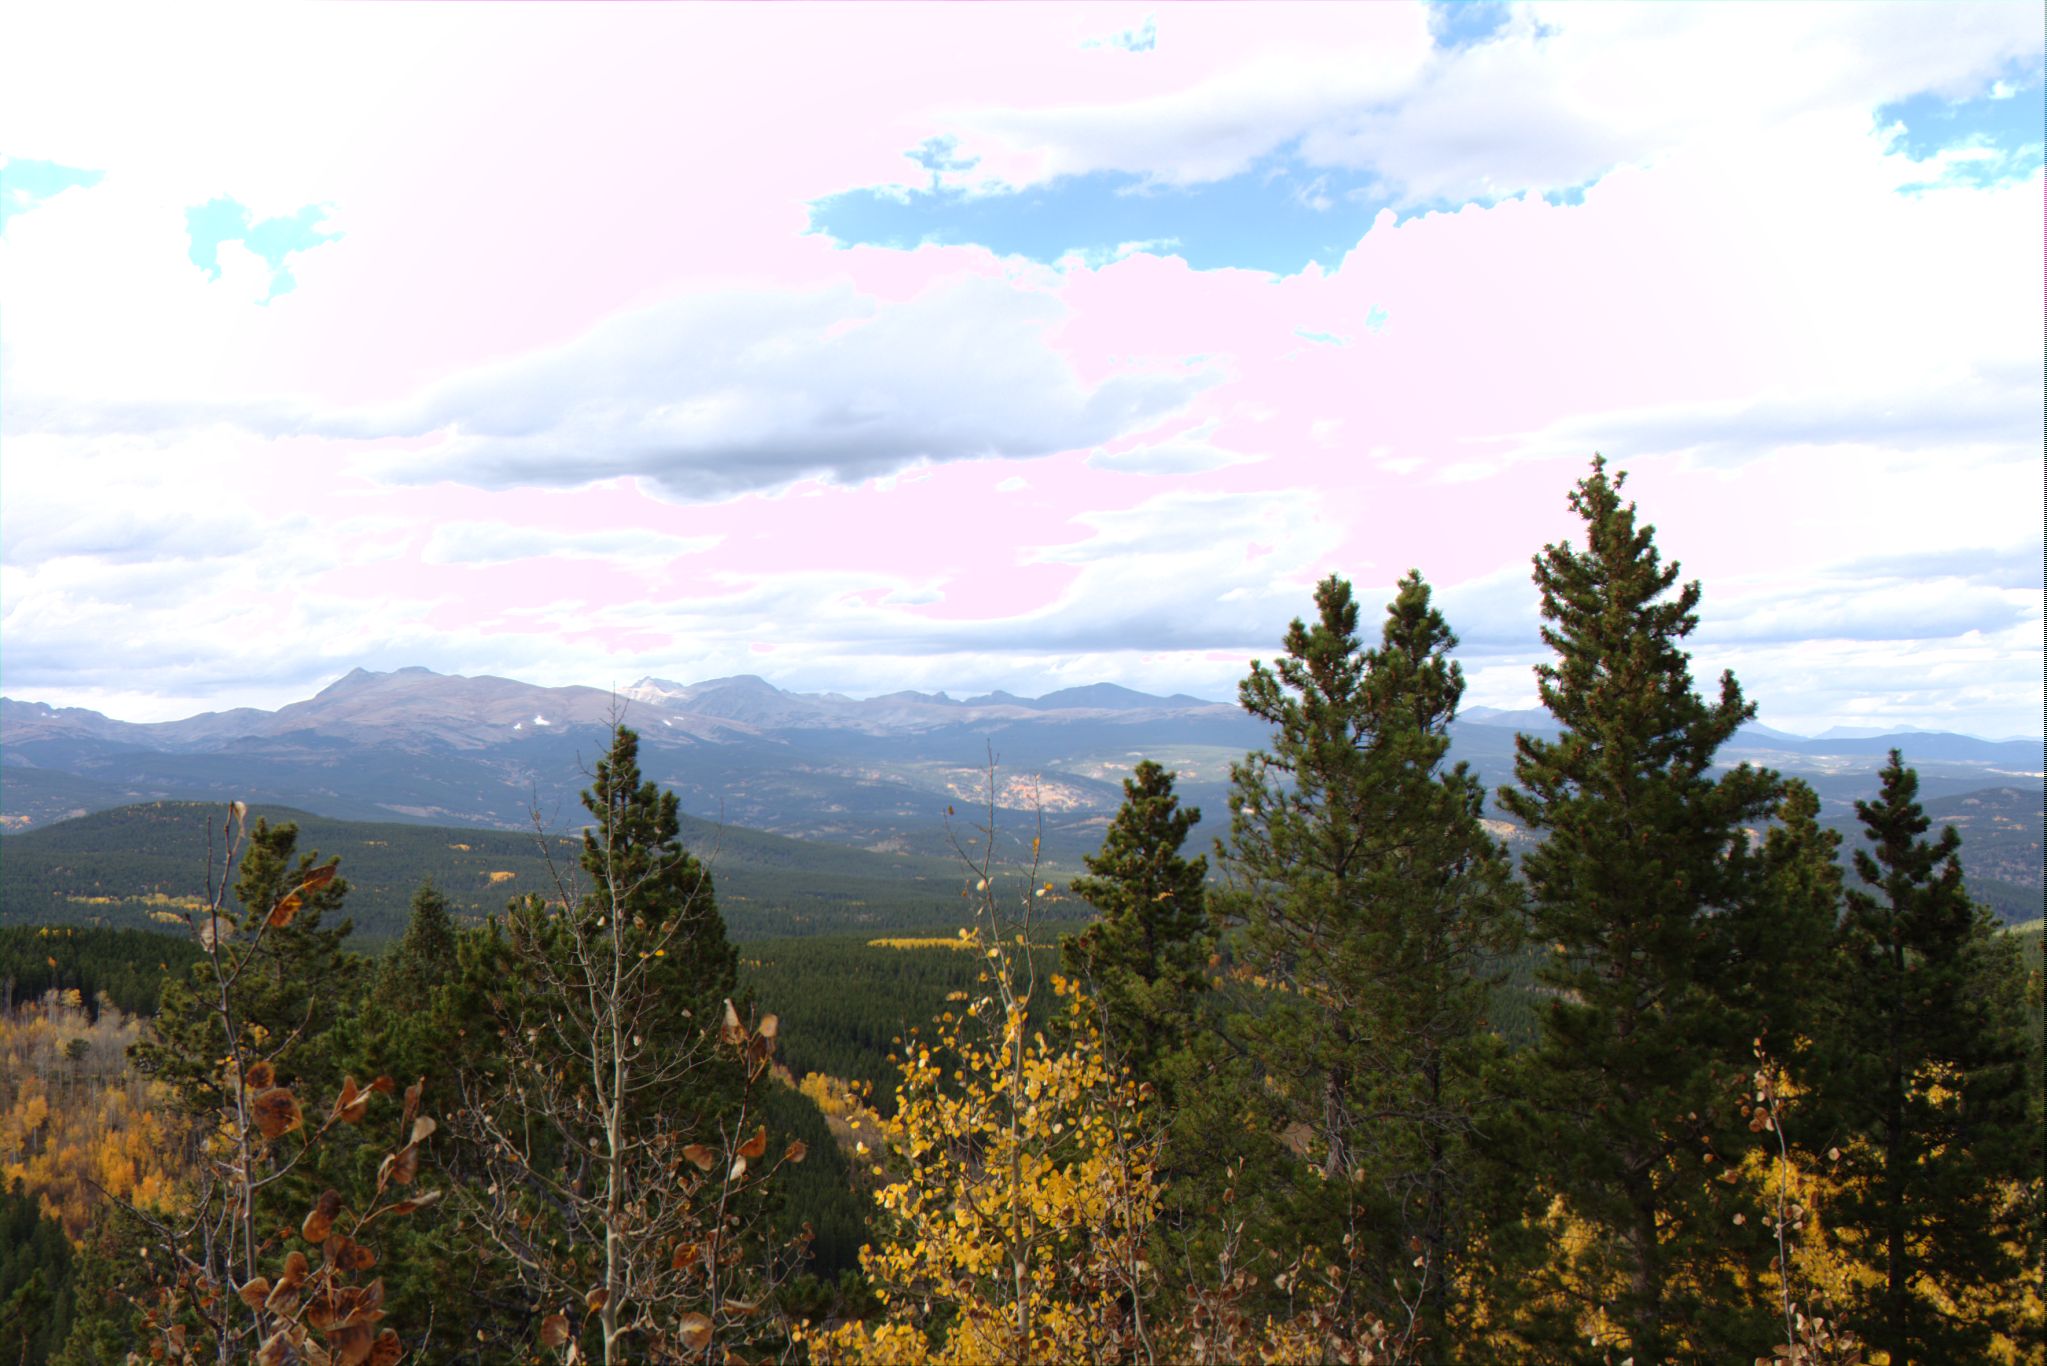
{"x":866,"y":347}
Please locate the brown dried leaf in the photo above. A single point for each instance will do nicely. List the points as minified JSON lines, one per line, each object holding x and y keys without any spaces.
{"x":796,"y":1151}
{"x":351,"y":1343}
{"x":401,"y":1167}
{"x":420,"y":1201}
{"x":597,"y":1298}
{"x":695,"y":1332}
{"x":295,"y":1268}
{"x":347,"y":1255}
{"x":734,"y":1032}
{"x":352,"y":1104}
{"x":388,"y":1350}
{"x":411,"y":1102}
{"x":319,"y":1220}
{"x":276,"y":1350}
{"x":768,"y":1027}
{"x":276,"y":1112}
{"x":554,"y":1330}
{"x":423,"y":1129}
{"x":261,"y":1076}
{"x":754,"y":1147}
{"x":702,"y":1156}
{"x":254,"y":1292}
{"x":383,"y":1085}
{"x":687,"y":1256}
{"x":738,"y":1169}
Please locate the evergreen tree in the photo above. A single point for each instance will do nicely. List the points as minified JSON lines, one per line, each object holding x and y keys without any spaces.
{"x":610,"y":1010}
{"x":1145,"y":960}
{"x":651,"y":888}
{"x":425,"y":1021}
{"x":1922,"y":1089}
{"x":1372,"y":897}
{"x":1646,"y":883}
{"x":36,"y":1273}
{"x":424,"y":960}
{"x":291,"y":983}
{"x":1784,"y":951}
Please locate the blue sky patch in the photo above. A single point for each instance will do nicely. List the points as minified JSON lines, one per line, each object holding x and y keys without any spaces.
{"x":26,"y":182}
{"x":1458,"y":24}
{"x":273,"y":239}
{"x":1275,"y":217}
{"x":1143,"y":38}
{"x":1998,"y":133}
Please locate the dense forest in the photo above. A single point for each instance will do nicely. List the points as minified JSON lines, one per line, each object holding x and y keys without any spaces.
{"x":126,"y":867}
{"x":1326,"y":1076}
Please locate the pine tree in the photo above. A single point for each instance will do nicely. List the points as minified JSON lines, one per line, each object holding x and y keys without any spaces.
{"x":424,"y":960}
{"x":1922,"y":1088}
{"x":1646,"y":884}
{"x":1372,"y":897}
{"x":643,"y":880}
{"x":1145,"y":960}
{"x":1784,"y":952}
{"x":294,"y":988}
{"x":616,"y":1134}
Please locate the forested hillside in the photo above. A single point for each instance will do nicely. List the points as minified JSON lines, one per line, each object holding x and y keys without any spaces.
{"x":1328,"y":1072}
{"x":125,"y":867}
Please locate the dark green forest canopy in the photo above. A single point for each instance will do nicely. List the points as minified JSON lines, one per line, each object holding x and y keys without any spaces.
{"x":122,"y":868}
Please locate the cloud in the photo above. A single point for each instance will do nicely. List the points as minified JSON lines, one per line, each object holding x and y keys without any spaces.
{"x":1897,"y":611}
{"x":1188,"y":452}
{"x":1448,"y":109}
{"x":2014,"y":567}
{"x":481,"y":543}
{"x":1991,"y":406}
{"x":714,"y":395}
{"x":135,"y":533}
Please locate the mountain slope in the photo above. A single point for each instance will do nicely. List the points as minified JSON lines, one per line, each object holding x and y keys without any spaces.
{"x":118,"y":867}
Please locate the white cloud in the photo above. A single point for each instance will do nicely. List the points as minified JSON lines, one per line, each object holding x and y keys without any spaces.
{"x":1562,"y":95}
{"x":1187,"y":452}
{"x":478,"y":543}
{"x":719,"y":394}
{"x":1994,"y":408}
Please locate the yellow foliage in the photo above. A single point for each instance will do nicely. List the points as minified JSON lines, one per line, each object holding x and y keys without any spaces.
{"x":496,"y":878}
{"x":1024,"y":1187}
{"x":74,"y":1122}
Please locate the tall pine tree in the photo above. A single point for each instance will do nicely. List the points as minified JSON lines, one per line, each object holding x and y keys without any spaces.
{"x":1647,"y":887}
{"x":1921,"y":1086}
{"x":293,"y":987}
{"x":1145,"y":960}
{"x":1372,"y":897}
{"x":611,"y":1005}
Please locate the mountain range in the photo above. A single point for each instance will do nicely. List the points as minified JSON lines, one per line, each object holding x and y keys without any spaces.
{"x":877,"y":773}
